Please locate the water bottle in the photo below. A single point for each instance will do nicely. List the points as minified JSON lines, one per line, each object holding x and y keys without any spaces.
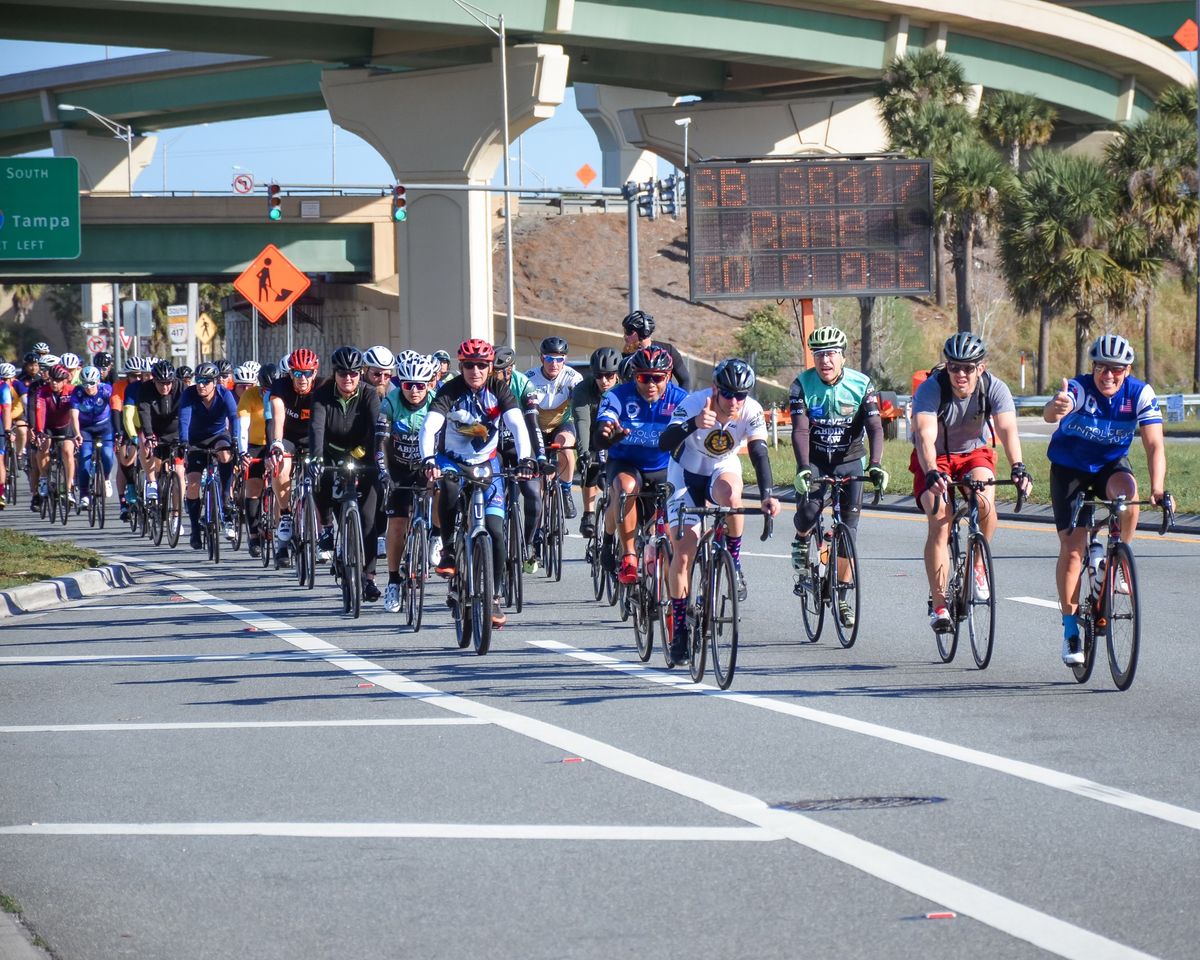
{"x":648,"y":557}
{"x":1096,"y":564}
{"x":826,"y":540}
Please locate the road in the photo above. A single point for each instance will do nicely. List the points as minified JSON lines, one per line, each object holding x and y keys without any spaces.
{"x":216,"y":764}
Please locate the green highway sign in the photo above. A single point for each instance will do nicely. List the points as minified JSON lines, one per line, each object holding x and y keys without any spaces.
{"x":39,"y":208}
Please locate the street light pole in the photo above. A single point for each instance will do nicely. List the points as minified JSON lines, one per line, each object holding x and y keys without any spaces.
{"x":122,"y":130}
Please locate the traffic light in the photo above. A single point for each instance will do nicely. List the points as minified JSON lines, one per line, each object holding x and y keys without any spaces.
{"x":647,"y":203}
{"x":667,"y":191}
{"x":274,"y":202}
{"x":399,"y":203}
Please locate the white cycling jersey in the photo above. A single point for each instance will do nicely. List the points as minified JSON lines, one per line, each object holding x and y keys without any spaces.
{"x":714,"y":450}
{"x":553,"y":397}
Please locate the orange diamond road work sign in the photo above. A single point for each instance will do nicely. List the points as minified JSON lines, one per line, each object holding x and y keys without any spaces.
{"x":585,"y":174}
{"x":272,"y":283}
{"x":1188,"y":36}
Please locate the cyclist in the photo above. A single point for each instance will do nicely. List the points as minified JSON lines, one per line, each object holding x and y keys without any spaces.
{"x":124,"y":405}
{"x":585,"y":406}
{"x":444,"y":374}
{"x":1098,"y":414}
{"x":252,"y":440}
{"x":91,"y":420}
{"x":225,"y":374}
{"x":291,"y":412}
{"x":552,"y":385}
{"x":42,"y":349}
{"x":53,"y":420}
{"x":208,"y":421}
{"x":630,"y":423}
{"x":955,"y":414}
{"x":378,"y":364}
{"x":504,"y":369}
{"x":8,"y":398}
{"x":833,"y":408}
{"x":403,"y":411}
{"x":102,"y":360}
{"x":73,"y":364}
{"x":25,"y":388}
{"x":346,"y":424}
{"x":158,"y":401}
{"x":186,"y":375}
{"x":639,"y":333}
{"x":706,"y":431}
{"x":471,"y":409}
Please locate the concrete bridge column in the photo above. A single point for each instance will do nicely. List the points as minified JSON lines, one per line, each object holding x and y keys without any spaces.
{"x":444,"y":126}
{"x":103,"y":158}
{"x":602,"y":107}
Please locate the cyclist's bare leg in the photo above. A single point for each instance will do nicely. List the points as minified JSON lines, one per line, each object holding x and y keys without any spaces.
{"x":69,"y":463}
{"x":589,"y":498}
{"x":681,"y":560}
{"x":629,"y":484}
{"x":937,"y":546}
{"x":987,"y":503}
{"x":282,"y":484}
{"x":1125,"y":485}
{"x":1068,"y":572}
{"x":727,"y":491}
{"x":566,"y":455}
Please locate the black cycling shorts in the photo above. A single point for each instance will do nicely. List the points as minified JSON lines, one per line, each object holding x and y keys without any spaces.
{"x":1065,"y":483}
{"x":197,"y":460}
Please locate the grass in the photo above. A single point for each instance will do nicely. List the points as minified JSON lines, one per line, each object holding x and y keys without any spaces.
{"x":8,"y":904}
{"x":27,"y":559}
{"x":1183,"y":470}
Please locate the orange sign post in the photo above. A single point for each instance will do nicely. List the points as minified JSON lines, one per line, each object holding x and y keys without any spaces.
{"x":272,"y":283}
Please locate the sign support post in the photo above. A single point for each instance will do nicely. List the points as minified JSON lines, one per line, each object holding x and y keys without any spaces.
{"x":807,"y":324}
{"x":633,"y":251}
{"x":289,"y":338}
{"x":254,"y":333}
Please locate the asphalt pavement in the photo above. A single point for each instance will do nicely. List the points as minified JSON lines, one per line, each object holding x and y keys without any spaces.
{"x":214,"y":763}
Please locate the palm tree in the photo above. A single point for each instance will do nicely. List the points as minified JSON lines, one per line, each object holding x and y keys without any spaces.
{"x":24,"y":296}
{"x":1017,"y":121}
{"x":1178,"y":102}
{"x":967,"y":186}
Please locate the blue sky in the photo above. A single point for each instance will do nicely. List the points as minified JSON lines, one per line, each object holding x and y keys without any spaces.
{"x":300,"y":148}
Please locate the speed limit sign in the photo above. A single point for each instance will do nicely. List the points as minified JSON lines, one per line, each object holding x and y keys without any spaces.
{"x":243,"y":183}
{"x":97,"y":343}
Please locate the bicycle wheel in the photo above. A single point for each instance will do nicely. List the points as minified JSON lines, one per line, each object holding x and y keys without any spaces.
{"x":154,"y":521}
{"x":812,"y":590}
{"x":266,"y":541}
{"x":1123,"y":616}
{"x":64,"y":503}
{"x":947,"y":641}
{"x":460,"y":595}
{"x":416,"y":573}
{"x":99,"y":498}
{"x":174,"y":506}
{"x":593,"y":557}
{"x":10,"y":476}
{"x":94,"y":500}
{"x":980,"y":613}
{"x":1083,"y":671}
{"x":481,"y":593}
{"x":555,"y":541}
{"x":722,"y":616}
{"x":644,"y":614}
{"x":842,"y":549}
{"x":352,"y":562}
{"x":700,"y":580}
{"x":239,"y":515}
{"x":661,"y":595}
{"x":212,"y":518}
{"x":514,"y":592}
{"x":308,"y":577}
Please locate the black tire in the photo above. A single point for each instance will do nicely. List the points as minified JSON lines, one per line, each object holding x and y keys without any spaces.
{"x":212,"y":524}
{"x":100,"y":499}
{"x":239,"y":517}
{"x":266,"y":538}
{"x":10,"y":475}
{"x":1123,"y":614}
{"x":812,"y":591}
{"x":699,"y":582}
{"x":461,"y":595}
{"x":154,"y":522}
{"x":308,"y":578}
{"x":482,"y":584}
{"x":416,"y":567}
{"x":514,"y":592}
{"x":644,"y":613}
{"x":722,"y":619}
{"x":174,"y":504}
{"x":842,"y":548}
{"x":554,"y":538}
{"x":981,"y":614}
{"x":595,"y":543}
{"x":92,"y":503}
{"x":352,"y":563}
{"x":64,"y":502}
{"x":661,"y":595}
{"x":1083,"y":671}
{"x":947,"y":641}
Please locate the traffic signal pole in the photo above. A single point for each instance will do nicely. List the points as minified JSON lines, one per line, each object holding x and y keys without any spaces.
{"x":633,"y":251}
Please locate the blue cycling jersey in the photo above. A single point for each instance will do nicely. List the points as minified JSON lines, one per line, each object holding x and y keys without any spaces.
{"x":644,"y":421}
{"x":94,"y":411}
{"x":1099,"y":429}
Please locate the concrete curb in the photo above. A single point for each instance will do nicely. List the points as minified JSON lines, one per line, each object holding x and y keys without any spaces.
{"x":74,"y":586}
{"x":15,"y":942}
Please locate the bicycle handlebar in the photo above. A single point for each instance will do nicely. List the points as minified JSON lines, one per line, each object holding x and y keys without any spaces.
{"x":977,"y":485}
{"x":1117,"y":504}
{"x":849,"y":478}
{"x":768,"y":520}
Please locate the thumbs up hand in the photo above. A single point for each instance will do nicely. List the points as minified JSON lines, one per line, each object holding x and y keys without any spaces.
{"x":1062,"y":403}
{"x":706,"y":419}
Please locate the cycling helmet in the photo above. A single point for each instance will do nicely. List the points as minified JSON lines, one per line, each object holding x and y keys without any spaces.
{"x":964,"y":348}
{"x":59,"y":373}
{"x":380,"y":358}
{"x":102,"y":359}
{"x":207,"y":371}
{"x":268,"y":373}
{"x":606,"y":360}
{"x":31,"y":357}
{"x":476,"y":349}
{"x":640,"y":322}
{"x":225,"y":368}
{"x":827,"y":338}
{"x":347,"y":358}
{"x":41,"y":348}
{"x":89,"y":375}
{"x":163,"y":371}
{"x":246,"y":372}
{"x":441,"y":356}
{"x":505,"y":358}
{"x":49,"y":360}
{"x":301,"y":359}
{"x":285,"y":365}
{"x":554,"y":345}
{"x":734,"y":375}
{"x":416,"y":367}
{"x":71,"y":361}
{"x":1113,"y":349}
{"x":650,"y":359}
{"x":7,"y":371}
{"x":185,"y":373}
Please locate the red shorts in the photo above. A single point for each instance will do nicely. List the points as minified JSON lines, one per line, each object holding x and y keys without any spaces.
{"x":955,"y":464}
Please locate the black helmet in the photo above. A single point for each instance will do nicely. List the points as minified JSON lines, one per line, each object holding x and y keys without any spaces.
{"x":625,"y":370}
{"x":964,"y":347}
{"x":555,"y":346}
{"x":347,"y":358}
{"x":605,"y":360}
{"x":102,"y":359}
{"x":639,"y":321}
{"x":225,"y":368}
{"x":183,"y":373}
{"x":267,"y":375}
{"x":32,"y":357}
{"x":207,"y":371}
{"x":653,"y":359}
{"x":505,"y":358}
{"x":163,"y":371}
{"x":734,"y":375}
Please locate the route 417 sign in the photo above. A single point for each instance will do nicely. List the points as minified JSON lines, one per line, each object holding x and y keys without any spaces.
{"x":39,"y":208}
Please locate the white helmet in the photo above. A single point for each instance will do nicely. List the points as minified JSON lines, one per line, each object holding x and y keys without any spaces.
{"x":89,"y":375}
{"x":7,"y":371}
{"x":284,"y":368}
{"x":41,"y":347}
{"x":416,"y":367}
{"x":49,"y":360}
{"x":1113,"y":349}
{"x":379,"y":357}
{"x":138,"y":364}
{"x":71,"y":361}
{"x":247,"y":372}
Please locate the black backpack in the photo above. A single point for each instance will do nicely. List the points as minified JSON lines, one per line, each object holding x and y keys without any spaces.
{"x":982,"y":390}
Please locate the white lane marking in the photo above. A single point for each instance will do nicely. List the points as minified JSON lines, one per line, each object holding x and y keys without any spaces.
{"x":179,"y":571}
{"x":243,"y":725}
{"x":437,"y":831}
{"x":139,"y":606}
{"x":157,"y":658}
{"x":943,"y":889}
{"x":1045,"y":776}
{"x":1037,"y":602}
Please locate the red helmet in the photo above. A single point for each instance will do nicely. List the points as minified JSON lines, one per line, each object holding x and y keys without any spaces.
{"x":303,"y":359}
{"x":476,"y":349}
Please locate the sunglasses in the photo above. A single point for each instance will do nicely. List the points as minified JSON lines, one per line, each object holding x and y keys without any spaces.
{"x":205,"y":381}
{"x":630,"y":332}
{"x":733,"y":395}
{"x":474,"y":365}
{"x":651,"y":378}
{"x":414,"y":385}
{"x":963,"y":368}
{"x":553,"y":358}
{"x":825,"y":354}
{"x":1108,"y":370}
{"x":353,"y":374}
{"x":306,"y":374}
{"x":376,"y":373}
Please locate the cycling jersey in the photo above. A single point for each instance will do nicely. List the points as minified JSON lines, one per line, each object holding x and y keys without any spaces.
{"x":553,"y":397}
{"x":405,"y":422}
{"x":645,"y":422}
{"x":344,"y":425}
{"x":93,"y":409}
{"x":297,"y":409}
{"x":837,"y":414}
{"x":7,"y":394}
{"x":158,"y":415}
{"x":18,"y":390}
{"x":472,"y":421}
{"x":130,"y":419}
{"x":252,"y":418}
{"x":713,"y":450}
{"x":53,"y":409}
{"x":961,"y":426}
{"x":1099,"y":430}
{"x":199,"y":422}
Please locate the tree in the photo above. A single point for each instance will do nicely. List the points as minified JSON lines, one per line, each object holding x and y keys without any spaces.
{"x":66,"y":301}
{"x":766,"y":335}
{"x":1017,"y":121}
{"x":866,"y":331}
{"x":1178,"y":102}
{"x":967,"y":185}
{"x":24,"y":296}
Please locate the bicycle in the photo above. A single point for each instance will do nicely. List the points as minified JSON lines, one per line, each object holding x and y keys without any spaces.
{"x":603,"y":581}
{"x":712,"y":611}
{"x":98,"y":504}
{"x":821,"y":583}
{"x":514,"y":544}
{"x":553,"y":522}
{"x":237,"y":506}
{"x":962,"y":595}
{"x":56,"y":506}
{"x":648,"y":601}
{"x":266,"y":525}
{"x":11,"y":469}
{"x":166,"y":515}
{"x":414,"y":565}
{"x":306,"y":526}
{"x":1107,"y":608}
{"x":212,"y":506}
{"x":347,"y":565}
